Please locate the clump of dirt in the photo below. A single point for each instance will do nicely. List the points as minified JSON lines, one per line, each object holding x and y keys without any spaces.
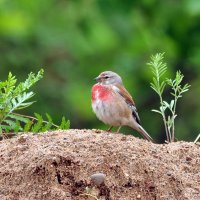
{"x":58,"y":165}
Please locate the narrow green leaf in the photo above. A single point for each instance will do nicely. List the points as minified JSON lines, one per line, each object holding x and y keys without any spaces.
{"x":27,"y":126}
{"x":38,"y":125}
{"x":162,"y":87}
{"x":157,"y":111}
{"x":197,"y":138}
{"x":19,"y":118}
{"x":17,"y":127}
{"x":48,"y":125}
{"x":24,"y":105}
{"x":171,"y":104}
{"x":154,"y":89}
{"x":10,"y":123}
{"x":166,"y":104}
{"x":163,"y":108}
{"x":64,"y":124}
{"x":6,"y":128}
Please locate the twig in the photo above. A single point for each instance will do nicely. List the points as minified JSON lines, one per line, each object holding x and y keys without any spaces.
{"x":7,"y":136}
{"x":34,"y":118}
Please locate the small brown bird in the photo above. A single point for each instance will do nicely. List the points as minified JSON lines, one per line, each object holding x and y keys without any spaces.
{"x":113,"y":105}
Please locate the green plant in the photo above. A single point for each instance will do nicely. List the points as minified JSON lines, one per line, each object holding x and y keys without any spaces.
{"x":159,"y":84}
{"x":16,"y":97}
{"x":197,"y":138}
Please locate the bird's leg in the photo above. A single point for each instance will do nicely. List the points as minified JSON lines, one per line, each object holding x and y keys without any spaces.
{"x":110,"y":128}
{"x":118,"y":129}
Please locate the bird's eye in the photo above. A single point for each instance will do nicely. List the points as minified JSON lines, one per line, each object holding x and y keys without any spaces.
{"x":106,"y":77}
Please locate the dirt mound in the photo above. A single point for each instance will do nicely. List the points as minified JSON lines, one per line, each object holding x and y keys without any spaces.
{"x":58,"y":165}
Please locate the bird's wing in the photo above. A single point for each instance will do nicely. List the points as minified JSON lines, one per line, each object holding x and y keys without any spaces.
{"x":129,"y":100}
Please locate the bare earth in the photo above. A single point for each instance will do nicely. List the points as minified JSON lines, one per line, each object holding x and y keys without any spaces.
{"x":58,"y":165}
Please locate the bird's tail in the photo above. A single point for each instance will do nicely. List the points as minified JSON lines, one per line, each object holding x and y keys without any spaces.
{"x":144,"y":133}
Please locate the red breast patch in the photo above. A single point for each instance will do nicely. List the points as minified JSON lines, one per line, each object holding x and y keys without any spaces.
{"x":100,"y":92}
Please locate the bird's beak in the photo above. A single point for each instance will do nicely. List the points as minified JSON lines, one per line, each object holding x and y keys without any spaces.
{"x":97,"y":79}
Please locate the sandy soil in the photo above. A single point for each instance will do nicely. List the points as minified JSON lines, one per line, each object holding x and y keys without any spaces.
{"x":59,"y":165}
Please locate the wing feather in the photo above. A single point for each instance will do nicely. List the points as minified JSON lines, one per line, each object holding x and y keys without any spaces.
{"x":129,"y":100}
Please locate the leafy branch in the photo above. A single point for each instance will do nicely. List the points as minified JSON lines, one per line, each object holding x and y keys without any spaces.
{"x":14,"y":98}
{"x":158,"y":84}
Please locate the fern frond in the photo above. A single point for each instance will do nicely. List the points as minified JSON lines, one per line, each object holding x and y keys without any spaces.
{"x":48,"y":124}
{"x":65,"y":124}
{"x":27,"y":126}
{"x":14,"y":98}
{"x":9,"y":84}
{"x":38,"y":125}
{"x":17,"y":127}
{"x":5,"y":129}
{"x":30,"y":81}
{"x":19,"y":102}
{"x":18,"y":117}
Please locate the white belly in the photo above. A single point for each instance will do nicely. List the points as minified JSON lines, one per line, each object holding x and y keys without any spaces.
{"x":111,"y":113}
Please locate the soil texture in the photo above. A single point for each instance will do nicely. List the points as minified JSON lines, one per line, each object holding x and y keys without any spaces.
{"x":59,"y":165}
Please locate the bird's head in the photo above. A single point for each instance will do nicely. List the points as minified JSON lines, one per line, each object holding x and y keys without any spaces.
{"x":108,"y":78}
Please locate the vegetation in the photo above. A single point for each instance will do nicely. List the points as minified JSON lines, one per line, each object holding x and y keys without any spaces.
{"x":75,"y":40}
{"x":17,"y":97}
{"x":158,"y":69}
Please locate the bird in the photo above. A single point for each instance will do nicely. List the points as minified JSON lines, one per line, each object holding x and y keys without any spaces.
{"x":113,"y":105}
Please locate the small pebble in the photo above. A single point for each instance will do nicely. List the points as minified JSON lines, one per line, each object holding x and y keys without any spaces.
{"x":98,"y":178}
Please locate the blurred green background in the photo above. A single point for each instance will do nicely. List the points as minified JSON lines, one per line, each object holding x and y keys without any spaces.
{"x":75,"y":40}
